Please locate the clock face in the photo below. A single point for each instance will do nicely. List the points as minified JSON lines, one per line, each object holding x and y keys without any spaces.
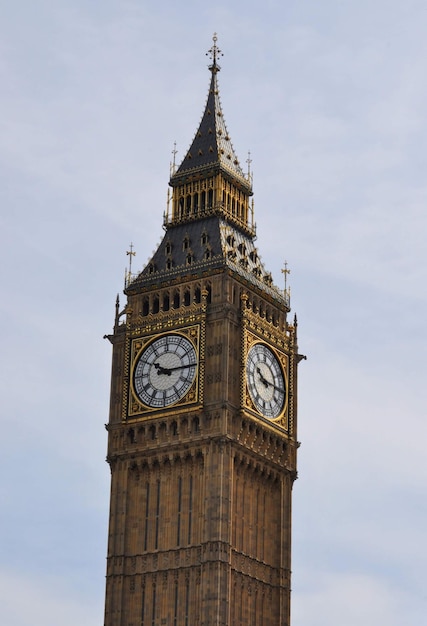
{"x":265,"y":380}
{"x":165,"y":371}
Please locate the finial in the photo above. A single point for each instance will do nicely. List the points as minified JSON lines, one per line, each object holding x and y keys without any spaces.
{"x":166,"y":216}
{"x":249,"y":161}
{"x":214,"y":53}
{"x":174,"y":152}
{"x":286,"y":271}
{"x":287,"y":290}
{"x":117,"y":316}
{"x":130,"y":253}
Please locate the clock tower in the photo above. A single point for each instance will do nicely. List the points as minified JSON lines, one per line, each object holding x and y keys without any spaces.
{"x":202,"y":430}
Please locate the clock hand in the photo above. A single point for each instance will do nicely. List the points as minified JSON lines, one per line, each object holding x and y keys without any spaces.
{"x":162,"y":370}
{"x":168,"y":370}
{"x":266,"y":382}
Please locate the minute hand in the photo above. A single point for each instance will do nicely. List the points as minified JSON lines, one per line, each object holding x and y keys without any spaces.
{"x":168,"y":370}
{"x":267,"y":383}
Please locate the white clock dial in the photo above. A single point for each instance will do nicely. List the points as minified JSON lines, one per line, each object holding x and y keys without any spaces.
{"x":165,"y":370}
{"x":265,"y":380}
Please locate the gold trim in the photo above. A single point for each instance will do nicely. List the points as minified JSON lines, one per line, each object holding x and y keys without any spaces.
{"x":136,"y":408}
{"x":249,"y":340}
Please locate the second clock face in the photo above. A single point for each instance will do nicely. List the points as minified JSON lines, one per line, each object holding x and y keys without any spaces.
{"x":165,"y":370}
{"x":265,"y":380}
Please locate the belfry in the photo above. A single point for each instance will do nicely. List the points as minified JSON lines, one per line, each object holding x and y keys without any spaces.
{"x":202,"y":432}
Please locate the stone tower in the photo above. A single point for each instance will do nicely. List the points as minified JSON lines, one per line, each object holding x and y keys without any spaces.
{"x":202,"y":430}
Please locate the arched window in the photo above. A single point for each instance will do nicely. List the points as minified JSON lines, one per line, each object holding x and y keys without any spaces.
{"x":195,"y":425}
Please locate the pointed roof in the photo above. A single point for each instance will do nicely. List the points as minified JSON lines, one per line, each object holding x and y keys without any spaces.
{"x":211,"y":148}
{"x":206,"y":246}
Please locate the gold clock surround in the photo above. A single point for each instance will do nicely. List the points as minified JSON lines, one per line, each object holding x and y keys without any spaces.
{"x":136,"y":408}
{"x":248,"y":404}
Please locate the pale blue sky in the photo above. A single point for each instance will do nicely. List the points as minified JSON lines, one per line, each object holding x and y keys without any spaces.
{"x":330,"y":98}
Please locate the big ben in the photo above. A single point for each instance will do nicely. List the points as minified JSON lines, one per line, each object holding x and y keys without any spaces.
{"x":202,"y":433}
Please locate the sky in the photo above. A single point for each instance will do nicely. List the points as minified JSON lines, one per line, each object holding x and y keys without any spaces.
{"x":330,"y":98}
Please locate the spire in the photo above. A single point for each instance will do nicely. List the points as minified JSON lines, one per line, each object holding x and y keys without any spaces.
{"x":211,"y":150}
{"x":214,"y":53}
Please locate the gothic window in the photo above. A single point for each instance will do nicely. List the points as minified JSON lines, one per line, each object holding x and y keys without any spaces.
{"x":151,"y":268}
{"x":145,"y":307}
{"x":207,"y":255}
{"x":203,"y":204}
{"x":156,"y":305}
{"x":210,"y":198}
{"x":168,"y":248}
{"x":178,"y":526}
{"x":188,"y":204}
{"x":197,"y":295}
{"x":156,"y":542}
{"x":187,"y":298}
{"x":189,"y":259}
{"x":187,"y":603}
{"x":176,"y":300}
{"x":186,"y":243}
{"x":204,"y":239}
{"x":154,"y":604}
{"x":166,"y":303}
{"x":195,"y":425}
{"x":175,"y":611}
{"x":143,"y":605}
{"x":190,"y":508}
{"x":169,"y":264}
{"x":147,"y":514}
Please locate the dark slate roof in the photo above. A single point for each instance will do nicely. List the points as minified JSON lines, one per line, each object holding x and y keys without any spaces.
{"x":211,"y":147}
{"x":205,"y":245}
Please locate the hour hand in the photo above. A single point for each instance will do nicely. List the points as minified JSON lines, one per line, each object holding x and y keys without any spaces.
{"x":162,"y":370}
{"x":264,"y":381}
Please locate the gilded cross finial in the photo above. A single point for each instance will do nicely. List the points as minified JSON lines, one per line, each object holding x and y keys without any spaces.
{"x":130,"y":253}
{"x":214,"y":53}
{"x":286,"y":271}
{"x":174,"y":152}
{"x":249,"y":161}
{"x":287,"y":290}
